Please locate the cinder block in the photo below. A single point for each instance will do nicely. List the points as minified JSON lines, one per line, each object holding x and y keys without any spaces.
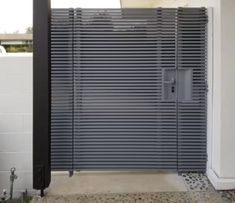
{"x":21,"y":160}
{"x":16,"y":142}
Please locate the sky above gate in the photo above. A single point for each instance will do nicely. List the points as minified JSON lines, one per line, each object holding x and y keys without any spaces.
{"x":16,"y":15}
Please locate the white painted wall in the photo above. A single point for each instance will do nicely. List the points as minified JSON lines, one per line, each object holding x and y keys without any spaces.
{"x":171,"y":3}
{"x":16,"y":120}
{"x":215,"y":153}
{"x":227,"y":89}
{"x":153,"y":3}
{"x":163,"y":3}
{"x":198,"y":3}
{"x":222,"y":167}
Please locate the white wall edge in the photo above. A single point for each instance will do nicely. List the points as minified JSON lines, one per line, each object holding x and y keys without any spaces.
{"x":210,"y":87}
{"x":220,"y":183}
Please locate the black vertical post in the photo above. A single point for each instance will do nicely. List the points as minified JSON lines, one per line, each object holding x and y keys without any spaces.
{"x":41,"y":94}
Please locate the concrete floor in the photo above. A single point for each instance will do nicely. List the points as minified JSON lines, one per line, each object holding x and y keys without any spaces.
{"x":133,"y":187}
{"x":115,"y":182}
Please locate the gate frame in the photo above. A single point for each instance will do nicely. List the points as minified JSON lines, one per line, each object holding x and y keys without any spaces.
{"x":41,"y":95}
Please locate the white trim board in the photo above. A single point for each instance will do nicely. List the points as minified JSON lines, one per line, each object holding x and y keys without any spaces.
{"x":220,"y":183}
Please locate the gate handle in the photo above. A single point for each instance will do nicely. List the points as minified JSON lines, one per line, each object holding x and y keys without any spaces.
{"x":172,"y":81}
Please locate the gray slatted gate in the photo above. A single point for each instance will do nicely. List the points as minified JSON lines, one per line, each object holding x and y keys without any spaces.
{"x":128,"y":89}
{"x":192,"y":109}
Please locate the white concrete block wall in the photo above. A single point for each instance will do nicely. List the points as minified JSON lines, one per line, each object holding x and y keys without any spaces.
{"x":227,"y":85}
{"x":222,"y":169}
{"x":16,"y":120}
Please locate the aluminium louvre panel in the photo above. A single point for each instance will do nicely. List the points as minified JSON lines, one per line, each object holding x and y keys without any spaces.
{"x":118,"y":125}
{"x":62,"y":89}
{"x":192,"y":142}
{"x":108,"y":110}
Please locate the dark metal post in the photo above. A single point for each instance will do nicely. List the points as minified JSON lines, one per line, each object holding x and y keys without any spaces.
{"x":41,"y":94}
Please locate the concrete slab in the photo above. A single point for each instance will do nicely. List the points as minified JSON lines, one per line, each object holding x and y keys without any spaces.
{"x":114,"y":182}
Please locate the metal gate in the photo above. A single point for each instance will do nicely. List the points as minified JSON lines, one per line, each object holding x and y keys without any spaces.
{"x":128,"y":89}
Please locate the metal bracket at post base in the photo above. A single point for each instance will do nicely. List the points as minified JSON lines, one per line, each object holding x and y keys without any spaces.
{"x":39,"y":178}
